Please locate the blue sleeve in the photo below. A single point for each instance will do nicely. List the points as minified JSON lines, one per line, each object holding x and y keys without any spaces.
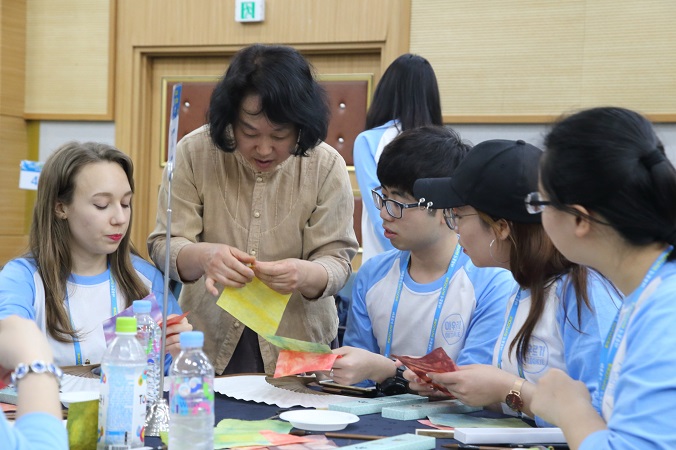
{"x":645,"y":394}
{"x":582,"y":340}
{"x":365,"y":169}
{"x":492,"y":288}
{"x":157,"y":279}
{"x":17,"y":289}
{"x":34,"y":431}
{"x":358,"y":329}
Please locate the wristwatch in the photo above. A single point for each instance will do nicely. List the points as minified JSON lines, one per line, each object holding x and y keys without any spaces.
{"x":513,"y":399}
{"x":394,"y":385}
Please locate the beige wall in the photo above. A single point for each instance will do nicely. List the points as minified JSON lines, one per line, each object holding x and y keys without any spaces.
{"x":517,"y":61}
{"x":529,"y":61}
{"x":13,"y":130}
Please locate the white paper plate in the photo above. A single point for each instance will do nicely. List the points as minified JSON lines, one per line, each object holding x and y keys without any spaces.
{"x":318,"y":419}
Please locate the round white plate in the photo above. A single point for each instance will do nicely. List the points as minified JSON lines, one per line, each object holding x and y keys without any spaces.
{"x":319,"y":419}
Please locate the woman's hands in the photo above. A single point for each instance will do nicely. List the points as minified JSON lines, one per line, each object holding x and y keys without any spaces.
{"x":173,"y":345}
{"x":566,"y":403}
{"x":473,"y":385}
{"x":229,"y":266}
{"x":218,"y":263}
{"x":291,"y":274}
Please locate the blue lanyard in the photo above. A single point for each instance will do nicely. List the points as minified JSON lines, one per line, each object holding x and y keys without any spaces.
{"x":505,"y":334}
{"x":113,"y":310}
{"x":614,"y":338}
{"x":440,"y":302}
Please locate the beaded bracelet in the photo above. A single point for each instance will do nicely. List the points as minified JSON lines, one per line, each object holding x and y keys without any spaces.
{"x":36,"y":366}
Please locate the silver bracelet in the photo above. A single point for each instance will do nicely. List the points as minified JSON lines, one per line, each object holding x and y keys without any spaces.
{"x":36,"y":366}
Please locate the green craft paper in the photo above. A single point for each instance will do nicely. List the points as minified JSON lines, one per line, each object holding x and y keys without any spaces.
{"x":82,"y":425}
{"x":240,"y":433}
{"x":244,"y":426}
{"x":296,"y":345}
{"x":465,"y":421}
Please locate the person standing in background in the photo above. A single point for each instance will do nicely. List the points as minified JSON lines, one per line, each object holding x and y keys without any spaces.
{"x":407,"y":96}
{"x":256,"y":193}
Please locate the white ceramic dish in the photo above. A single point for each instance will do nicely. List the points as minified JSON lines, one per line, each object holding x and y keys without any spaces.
{"x":319,"y":419}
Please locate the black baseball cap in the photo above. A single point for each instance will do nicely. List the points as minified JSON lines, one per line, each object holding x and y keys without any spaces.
{"x":495,"y":177}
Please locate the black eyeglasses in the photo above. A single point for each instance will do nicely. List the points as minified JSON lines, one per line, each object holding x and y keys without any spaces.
{"x":393,"y":207}
{"x":451,"y":218}
{"x":535,"y":204}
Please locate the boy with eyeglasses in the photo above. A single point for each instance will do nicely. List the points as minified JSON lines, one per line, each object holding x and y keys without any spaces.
{"x":425,"y":293}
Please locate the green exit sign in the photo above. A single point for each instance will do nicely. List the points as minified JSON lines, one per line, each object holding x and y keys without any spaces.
{"x":249,"y":10}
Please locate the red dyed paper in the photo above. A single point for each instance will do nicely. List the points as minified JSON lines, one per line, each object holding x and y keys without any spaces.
{"x":437,"y":361}
{"x":292,"y":362}
{"x":173,"y":320}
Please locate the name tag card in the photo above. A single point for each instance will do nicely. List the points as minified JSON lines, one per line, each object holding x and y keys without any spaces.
{"x":29,"y":175}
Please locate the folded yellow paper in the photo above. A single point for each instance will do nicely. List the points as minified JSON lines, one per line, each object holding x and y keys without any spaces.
{"x":255,"y":305}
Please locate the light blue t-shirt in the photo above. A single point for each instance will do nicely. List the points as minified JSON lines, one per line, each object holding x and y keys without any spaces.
{"x":639,"y":405}
{"x":34,"y":431}
{"x":559,"y":340}
{"x":22,"y":293}
{"x":469,"y":322}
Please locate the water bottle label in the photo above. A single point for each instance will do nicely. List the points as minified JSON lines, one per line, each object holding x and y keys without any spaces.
{"x":191,"y":395}
{"x":122,"y":408}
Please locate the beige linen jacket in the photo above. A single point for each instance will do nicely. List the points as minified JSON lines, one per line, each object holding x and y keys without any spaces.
{"x":302,"y":209}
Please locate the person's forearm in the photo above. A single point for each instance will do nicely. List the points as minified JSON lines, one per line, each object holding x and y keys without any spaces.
{"x":384,"y":368}
{"x":315,"y":281}
{"x":188,"y":262}
{"x":527,"y":390}
{"x":578,"y":423}
{"x":38,"y":393}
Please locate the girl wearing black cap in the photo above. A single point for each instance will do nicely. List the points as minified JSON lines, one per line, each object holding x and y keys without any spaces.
{"x":608,"y":195}
{"x":561,"y":312}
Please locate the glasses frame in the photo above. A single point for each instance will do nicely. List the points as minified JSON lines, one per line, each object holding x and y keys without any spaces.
{"x":381,"y":201}
{"x":451,"y":218}
{"x":535,"y":205}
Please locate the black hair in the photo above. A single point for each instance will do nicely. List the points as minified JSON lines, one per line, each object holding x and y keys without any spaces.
{"x":408,"y":91}
{"x":425,"y":152}
{"x":288,"y":90}
{"x":610,"y":161}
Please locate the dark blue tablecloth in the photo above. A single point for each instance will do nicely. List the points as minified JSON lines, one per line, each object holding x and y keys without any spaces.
{"x":370,"y":424}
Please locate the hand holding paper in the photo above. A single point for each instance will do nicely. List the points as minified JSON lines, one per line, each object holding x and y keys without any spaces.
{"x":437,"y":361}
{"x":300,"y":356}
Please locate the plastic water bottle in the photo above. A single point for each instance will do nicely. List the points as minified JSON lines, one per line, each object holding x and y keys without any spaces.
{"x":122,"y":407}
{"x":191,"y":396}
{"x":149,"y":335}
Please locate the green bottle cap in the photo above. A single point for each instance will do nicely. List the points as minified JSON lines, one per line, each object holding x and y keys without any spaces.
{"x":125,"y":325}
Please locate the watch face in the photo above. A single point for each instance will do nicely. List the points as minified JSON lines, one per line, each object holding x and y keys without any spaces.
{"x":514,"y":401}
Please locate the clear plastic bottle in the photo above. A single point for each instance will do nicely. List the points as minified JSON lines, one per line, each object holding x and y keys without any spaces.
{"x":149,"y":335}
{"x":191,"y":396}
{"x":122,"y":407}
